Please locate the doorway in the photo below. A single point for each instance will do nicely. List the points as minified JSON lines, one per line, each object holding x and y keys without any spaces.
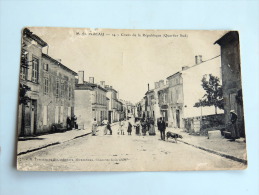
{"x":178,"y":118}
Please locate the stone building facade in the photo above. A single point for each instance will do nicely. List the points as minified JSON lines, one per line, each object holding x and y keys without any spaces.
{"x":231,"y":77}
{"x":90,"y":102}
{"x":175,"y":100}
{"x":50,"y":100}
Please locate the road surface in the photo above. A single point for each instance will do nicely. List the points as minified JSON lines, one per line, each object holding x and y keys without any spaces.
{"x":123,"y":153}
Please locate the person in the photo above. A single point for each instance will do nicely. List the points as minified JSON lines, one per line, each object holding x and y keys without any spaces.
{"x":73,"y":122}
{"x":151,"y":130}
{"x":121,"y":128}
{"x":161,"y":127}
{"x":68,"y":123}
{"x":104,"y":122}
{"x":109,"y":127}
{"x":129,"y":128}
{"x":234,"y":131}
{"x":137,"y":126}
{"x":94,"y":127}
{"x":144,"y":127}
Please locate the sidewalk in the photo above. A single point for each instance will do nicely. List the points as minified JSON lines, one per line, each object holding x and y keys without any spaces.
{"x":233,"y":150}
{"x":33,"y":143}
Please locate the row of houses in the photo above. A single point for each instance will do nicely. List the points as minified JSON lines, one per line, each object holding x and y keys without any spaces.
{"x":50,"y":93}
{"x":174,"y":99}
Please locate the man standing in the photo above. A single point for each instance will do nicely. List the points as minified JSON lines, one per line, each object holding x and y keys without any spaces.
{"x":234,"y":130}
{"x":161,"y":127}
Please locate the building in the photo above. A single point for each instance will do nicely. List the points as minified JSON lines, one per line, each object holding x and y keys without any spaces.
{"x":50,"y":84}
{"x":175,"y":100}
{"x":112,"y":94}
{"x":231,"y":77}
{"x":57,"y":93}
{"x":162,"y":95}
{"x":185,"y":90}
{"x":90,"y":102}
{"x":150,"y":97}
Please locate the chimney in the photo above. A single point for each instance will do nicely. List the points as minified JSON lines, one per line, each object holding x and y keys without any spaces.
{"x":156,"y":85}
{"x":106,"y":86}
{"x":102,"y":84}
{"x":161,"y":83}
{"x":91,"y":79}
{"x":148,"y":86}
{"x":110,"y":87}
{"x":80,"y":77}
{"x":198,"y":59}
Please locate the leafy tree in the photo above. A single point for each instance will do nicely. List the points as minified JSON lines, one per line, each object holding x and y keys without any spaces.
{"x":214,"y":93}
{"x":23,"y":98}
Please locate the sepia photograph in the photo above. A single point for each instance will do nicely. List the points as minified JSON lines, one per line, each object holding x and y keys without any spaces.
{"x":130,"y":100}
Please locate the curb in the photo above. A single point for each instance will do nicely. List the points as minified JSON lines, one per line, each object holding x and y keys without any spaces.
{"x":217,"y":153}
{"x":52,"y":144}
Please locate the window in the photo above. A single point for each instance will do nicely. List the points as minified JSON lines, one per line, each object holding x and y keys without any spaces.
{"x":45,"y":67}
{"x":35,"y":70}
{"x":69,"y":92}
{"x":61,"y":116}
{"x":62,"y":87}
{"x":46,"y":86}
{"x":24,"y":65}
{"x":57,"y":88}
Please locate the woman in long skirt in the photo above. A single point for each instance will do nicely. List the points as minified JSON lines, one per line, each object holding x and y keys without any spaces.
{"x":129,"y":128}
{"x":151,"y":127}
{"x":137,"y":126}
{"x":94,"y":127}
{"x":144,"y":128}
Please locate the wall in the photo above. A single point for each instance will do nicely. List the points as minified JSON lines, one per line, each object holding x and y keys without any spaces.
{"x":57,"y":108}
{"x":192,"y":89}
{"x":83,"y":108}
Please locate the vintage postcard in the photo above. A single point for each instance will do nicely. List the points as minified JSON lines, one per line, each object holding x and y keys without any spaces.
{"x":130,"y":100}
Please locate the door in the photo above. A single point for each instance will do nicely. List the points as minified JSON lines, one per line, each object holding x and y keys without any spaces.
{"x":178,"y":118}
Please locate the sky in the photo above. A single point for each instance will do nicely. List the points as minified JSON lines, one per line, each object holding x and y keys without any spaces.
{"x":125,"y":61}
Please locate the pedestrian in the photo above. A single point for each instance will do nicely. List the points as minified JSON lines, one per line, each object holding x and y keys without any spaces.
{"x":109,"y":127}
{"x":151,"y":130}
{"x":94,"y":127}
{"x":129,"y":128}
{"x":121,"y":128}
{"x":144,"y":127}
{"x":68,"y":123}
{"x":161,"y":127}
{"x":137,"y":126}
{"x":234,"y":130}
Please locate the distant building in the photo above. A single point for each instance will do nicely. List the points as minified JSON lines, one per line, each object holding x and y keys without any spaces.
{"x":175,"y":100}
{"x":162,"y":94}
{"x":90,"y":102}
{"x":231,"y":77}
{"x":112,"y":94}
{"x":185,"y":90}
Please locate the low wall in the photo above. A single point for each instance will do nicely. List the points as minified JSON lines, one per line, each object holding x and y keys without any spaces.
{"x":196,"y":125}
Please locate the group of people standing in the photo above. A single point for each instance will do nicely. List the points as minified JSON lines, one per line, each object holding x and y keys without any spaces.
{"x":146,"y":125}
{"x":142,"y":127}
{"x":107,"y":127}
{"x":72,"y":122}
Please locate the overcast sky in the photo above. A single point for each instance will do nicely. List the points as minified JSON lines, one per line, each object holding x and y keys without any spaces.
{"x":128,"y":63}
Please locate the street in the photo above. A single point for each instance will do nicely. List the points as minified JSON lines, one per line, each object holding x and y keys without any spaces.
{"x":123,"y":153}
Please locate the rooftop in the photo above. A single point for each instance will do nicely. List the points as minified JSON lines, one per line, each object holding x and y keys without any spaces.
{"x":34,"y":37}
{"x":58,"y":63}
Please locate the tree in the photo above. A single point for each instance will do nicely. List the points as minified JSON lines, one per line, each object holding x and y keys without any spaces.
{"x":23,"y":98}
{"x":214,"y":93}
